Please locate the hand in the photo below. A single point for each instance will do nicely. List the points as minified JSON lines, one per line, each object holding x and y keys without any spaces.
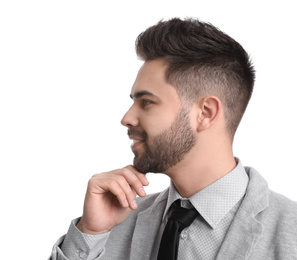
{"x":109,"y":199}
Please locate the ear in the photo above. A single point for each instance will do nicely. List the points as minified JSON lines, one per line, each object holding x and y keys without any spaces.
{"x":209,"y":110}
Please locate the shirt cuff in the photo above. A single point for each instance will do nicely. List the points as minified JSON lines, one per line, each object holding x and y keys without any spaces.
{"x":78,"y":245}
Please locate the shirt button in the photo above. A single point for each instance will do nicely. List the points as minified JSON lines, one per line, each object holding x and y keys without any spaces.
{"x":83,"y":255}
{"x":185,"y":203}
{"x":184,"y":235}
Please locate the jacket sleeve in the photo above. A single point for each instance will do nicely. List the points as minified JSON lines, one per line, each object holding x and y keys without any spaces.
{"x":76,"y":245}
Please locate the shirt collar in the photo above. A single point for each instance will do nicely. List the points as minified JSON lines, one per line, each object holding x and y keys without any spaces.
{"x":217,"y":199}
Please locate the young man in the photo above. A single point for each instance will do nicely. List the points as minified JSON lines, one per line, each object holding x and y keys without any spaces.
{"x":188,"y":99}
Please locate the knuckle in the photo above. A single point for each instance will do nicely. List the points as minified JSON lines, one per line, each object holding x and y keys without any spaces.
{"x":113,"y":183}
{"x":120,"y":179}
{"x":134,"y":183}
{"x":92,"y":181}
{"x":96,"y":177}
{"x":119,"y":194}
{"x":125,"y":171}
{"x":125,"y":177}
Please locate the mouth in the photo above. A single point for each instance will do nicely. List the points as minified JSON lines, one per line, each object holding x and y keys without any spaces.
{"x":136,"y":141}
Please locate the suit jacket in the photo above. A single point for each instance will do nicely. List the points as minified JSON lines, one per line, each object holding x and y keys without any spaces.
{"x":264,"y":228}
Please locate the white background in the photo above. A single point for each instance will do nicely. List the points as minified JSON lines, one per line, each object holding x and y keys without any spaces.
{"x":66,"y":69}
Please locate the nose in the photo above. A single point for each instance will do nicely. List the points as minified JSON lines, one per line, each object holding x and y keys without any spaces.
{"x":130,"y":118}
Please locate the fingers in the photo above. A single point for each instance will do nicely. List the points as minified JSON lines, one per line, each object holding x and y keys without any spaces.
{"x":135,"y":179}
{"x":139,"y":175}
{"x":125,"y":195}
{"x":130,"y":182}
{"x":123,"y":183}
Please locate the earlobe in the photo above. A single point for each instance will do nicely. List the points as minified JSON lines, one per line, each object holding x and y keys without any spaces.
{"x":209,"y":111}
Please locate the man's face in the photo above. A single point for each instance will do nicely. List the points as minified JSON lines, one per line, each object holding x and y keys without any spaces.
{"x":157,"y":122}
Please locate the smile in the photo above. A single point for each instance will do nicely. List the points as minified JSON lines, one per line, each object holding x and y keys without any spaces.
{"x":136,"y":143}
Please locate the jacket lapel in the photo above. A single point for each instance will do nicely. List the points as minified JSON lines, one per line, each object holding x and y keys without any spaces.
{"x":146,"y":228}
{"x":245,"y":229}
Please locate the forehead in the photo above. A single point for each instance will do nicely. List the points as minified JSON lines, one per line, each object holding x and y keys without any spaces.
{"x":151,"y":78}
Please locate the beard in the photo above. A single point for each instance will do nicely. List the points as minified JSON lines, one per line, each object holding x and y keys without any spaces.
{"x":166,"y":149}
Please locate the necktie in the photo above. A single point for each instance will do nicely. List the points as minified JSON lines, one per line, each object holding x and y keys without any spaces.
{"x":178,"y":219}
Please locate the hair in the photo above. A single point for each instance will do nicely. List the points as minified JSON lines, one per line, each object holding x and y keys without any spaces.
{"x":201,"y":61}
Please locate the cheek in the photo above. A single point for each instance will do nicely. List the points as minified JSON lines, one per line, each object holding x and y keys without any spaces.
{"x":154,"y":125}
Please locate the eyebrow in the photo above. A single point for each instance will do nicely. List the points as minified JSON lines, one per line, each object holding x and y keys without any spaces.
{"x":142,"y":93}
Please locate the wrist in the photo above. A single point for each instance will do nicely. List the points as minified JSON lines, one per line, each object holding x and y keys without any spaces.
{"x":82,"y":227}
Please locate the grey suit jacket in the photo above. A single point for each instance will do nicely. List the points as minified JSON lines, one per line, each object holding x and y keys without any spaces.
{"x":264,"y":228}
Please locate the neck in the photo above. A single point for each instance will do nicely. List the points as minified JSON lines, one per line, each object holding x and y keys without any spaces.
{"x":200,"y":168}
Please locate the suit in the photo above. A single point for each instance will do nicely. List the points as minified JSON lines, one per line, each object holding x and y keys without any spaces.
{"x":264,"y":227}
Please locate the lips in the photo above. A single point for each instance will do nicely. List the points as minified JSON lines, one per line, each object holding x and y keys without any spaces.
{"x":135,"y":144}
{"x":137,"y":136}
{"x":136,"y":141}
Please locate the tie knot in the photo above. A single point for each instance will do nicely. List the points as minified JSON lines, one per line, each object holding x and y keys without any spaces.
{"x":183,"y":216}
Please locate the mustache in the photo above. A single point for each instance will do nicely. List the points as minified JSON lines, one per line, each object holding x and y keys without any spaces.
{"x":137,"y":133}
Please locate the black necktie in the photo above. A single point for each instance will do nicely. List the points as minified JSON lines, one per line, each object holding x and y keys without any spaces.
{"x":178,"y":219}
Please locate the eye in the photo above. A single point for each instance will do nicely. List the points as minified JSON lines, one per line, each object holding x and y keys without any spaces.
{"x":146,"y":102}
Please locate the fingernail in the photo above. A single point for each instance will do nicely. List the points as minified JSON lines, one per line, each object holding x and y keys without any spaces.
{"x":142,"y":191}
{"x":126,"y":204}
{"x":145,"y":180}
{"x":134,"y":204}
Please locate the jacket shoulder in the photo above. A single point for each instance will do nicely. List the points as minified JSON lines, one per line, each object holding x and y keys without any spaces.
{"x":282,"y":208}
{"x":275,"y":214}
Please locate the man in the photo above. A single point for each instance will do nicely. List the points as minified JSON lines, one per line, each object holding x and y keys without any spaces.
{"x":188,"y":100}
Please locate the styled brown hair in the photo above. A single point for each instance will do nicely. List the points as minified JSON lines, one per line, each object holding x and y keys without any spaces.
{"x":202,"y":60}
